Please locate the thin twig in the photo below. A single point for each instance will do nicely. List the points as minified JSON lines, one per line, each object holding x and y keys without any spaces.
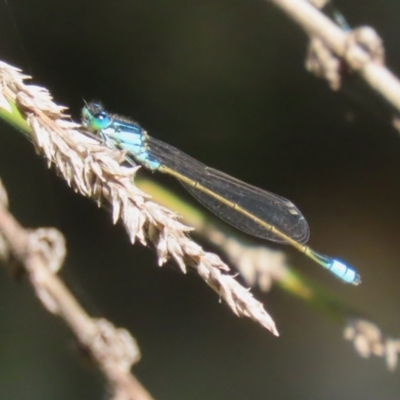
{"x":316,"y":24}
{"x":41,"y":253}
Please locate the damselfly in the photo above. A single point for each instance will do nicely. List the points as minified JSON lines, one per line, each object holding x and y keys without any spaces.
{"x":249,"y":209}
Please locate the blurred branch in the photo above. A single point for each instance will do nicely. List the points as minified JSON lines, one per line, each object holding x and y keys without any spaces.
{"x":41,"y":253}
{"x":348,"y":46}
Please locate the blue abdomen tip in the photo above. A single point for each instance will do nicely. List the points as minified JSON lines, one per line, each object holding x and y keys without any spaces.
{"x":345,"y":273}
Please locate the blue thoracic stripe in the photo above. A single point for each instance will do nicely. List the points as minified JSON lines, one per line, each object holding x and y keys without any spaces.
{"x":133,"y":139}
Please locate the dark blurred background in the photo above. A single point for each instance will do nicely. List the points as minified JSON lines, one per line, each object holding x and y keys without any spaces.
{"x":224,"y":81}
